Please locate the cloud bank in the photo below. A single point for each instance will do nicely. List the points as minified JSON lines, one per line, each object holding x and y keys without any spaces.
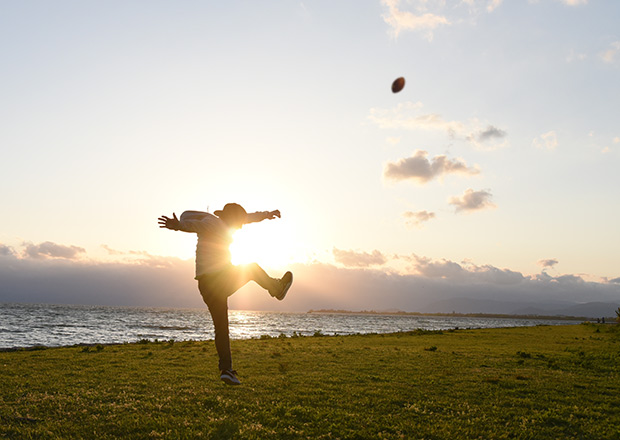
{"x":427,"y":285}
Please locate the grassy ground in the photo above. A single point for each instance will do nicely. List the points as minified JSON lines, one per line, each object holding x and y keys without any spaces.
{"x":543,"y":382}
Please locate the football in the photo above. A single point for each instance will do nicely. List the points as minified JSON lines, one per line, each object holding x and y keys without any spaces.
{"x":398,"y":84}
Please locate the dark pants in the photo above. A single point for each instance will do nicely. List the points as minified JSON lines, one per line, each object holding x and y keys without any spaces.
{"x":215,"y":289}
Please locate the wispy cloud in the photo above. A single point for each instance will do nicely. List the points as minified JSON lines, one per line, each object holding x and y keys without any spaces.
{"x":417,"y":218}
{"x":409,"y":116}
{"x":547,"y":140}
{"x":137,"y":257}
{"x":612,"y":53}
{"x":401,"y":21}
{"x":574,"y":2}
{"x":472,"y":201}
{"x":359,"y":259}
{"x":575,"y":56}
{"x":427,"y":16}
{"x":422,"y":170}
{"x":493,"y":4}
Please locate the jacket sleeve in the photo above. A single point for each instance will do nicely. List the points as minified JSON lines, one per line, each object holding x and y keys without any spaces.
{"x":254,"y":217}
{"x":196,"y":221}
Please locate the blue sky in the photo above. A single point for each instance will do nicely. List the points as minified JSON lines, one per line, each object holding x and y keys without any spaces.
{"x":501,"y":153}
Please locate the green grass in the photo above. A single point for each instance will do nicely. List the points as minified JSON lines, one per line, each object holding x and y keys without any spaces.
{"x":546,"y":382}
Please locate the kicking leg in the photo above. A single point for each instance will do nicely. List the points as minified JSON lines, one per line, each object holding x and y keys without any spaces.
{"x":276,"y":287}
{"x":256,"y":273}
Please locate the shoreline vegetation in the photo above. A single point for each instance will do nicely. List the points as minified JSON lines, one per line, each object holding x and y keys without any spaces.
{"x":454,"y":314}
{"x":542,"y":382}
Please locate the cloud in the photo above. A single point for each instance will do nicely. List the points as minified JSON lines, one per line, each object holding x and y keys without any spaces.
{"x":83,"y":281}
{"x":469,"y":272}
{"x":611,"y":54}
{"x":409,"y":116}
{"x":418,"y":218}
{"x":137,"y":257}
{"x":430,"y":285}
{"x":427,"y":16}
{"x":548,"y":262}
{"x":489,"y":133}
{"x":422,"y":170}
{"x":400,"y":21}
{"x":6,"y":250}
{"x":359,"y":259}
{"x":493,"y":4}
{"x":472,"y":201}
{"x":574,"y":2}
{"x":53,"y":250}
{"x":547,"y":140}
{"x":574,"y":56}
{"x":489,"y":138}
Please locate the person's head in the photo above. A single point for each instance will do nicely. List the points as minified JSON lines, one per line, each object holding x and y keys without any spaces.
{"x":233,"y":215}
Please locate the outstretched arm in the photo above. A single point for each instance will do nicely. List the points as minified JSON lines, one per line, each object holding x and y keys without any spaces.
{"x":263,"y":215}
{"x":169,"y":223}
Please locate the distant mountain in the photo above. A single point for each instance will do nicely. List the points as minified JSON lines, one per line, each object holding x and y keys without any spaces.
{"x":592,"y":309}
{"x":560,"y":308}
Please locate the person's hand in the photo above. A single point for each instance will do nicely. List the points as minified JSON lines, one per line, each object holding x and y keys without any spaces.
{"x":273,"y":214}
{"x":169,"y":223}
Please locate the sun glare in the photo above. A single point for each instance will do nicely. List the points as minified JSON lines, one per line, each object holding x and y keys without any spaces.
{"x":266,"y":245}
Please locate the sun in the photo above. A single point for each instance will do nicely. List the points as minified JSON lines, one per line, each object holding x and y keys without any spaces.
{"x":265,"y":244}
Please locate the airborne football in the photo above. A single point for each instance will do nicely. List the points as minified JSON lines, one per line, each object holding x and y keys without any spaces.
{"x":398,"y":84}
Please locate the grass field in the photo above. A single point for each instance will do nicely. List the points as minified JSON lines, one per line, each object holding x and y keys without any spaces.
{"x":545,"y":382}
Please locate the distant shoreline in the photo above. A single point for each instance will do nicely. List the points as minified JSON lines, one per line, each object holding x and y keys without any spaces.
{"x":454,"y":314}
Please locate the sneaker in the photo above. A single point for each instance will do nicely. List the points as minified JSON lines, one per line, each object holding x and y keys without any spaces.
{"x":285,"y":283}
{"x":230,"y":377}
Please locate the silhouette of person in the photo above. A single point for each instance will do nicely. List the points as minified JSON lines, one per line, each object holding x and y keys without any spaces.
{"x":217,"y":277}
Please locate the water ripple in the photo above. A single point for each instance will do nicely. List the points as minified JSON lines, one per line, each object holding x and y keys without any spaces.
{"x":29,"y":325}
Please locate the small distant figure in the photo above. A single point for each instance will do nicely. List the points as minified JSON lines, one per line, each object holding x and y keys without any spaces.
{"x":603,"y":320}
{"x":217,"y":277}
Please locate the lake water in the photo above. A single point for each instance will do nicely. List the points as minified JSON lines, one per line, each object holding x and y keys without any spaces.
{"x":28,"y":325}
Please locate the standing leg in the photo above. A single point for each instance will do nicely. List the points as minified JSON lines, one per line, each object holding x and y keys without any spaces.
{"x":218,"y":308}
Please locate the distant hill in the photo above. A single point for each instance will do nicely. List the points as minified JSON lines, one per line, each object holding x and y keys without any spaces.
{"x":471,"y":305}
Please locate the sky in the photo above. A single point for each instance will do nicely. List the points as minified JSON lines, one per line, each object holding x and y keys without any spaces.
{"x":490,"y":178}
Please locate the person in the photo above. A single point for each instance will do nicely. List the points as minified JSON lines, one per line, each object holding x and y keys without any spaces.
{"x":217,"y":277}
